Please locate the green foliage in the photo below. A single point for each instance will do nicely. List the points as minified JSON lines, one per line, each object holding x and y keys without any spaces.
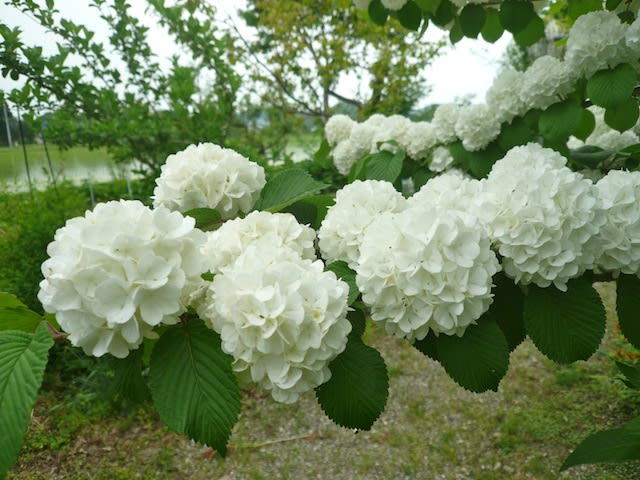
{"x":560,"y":120}
{"x":472,"y":19}
{"x":193,"y":386}
{"x":15,"y":315}
{"x":128,"y":381}
{"x":285,"y":188}
{"x":357,"y":392}
{"x":515,"y":15}
{"x":508,"y":310}
{"x":565,"y":326}
{"x":623,"y":117}
{"x":206,"y":218}
{"x":613,"y":87}
{"x":344,"y":273}
{"x":23,"y":358}
{"x":385,"y":166}
{"x":628,"y":307}
{"x":492,"y":29}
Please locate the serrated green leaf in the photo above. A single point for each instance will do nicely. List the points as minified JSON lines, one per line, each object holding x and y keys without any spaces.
{"x":612,"y":4}
{"x":357,"y":171}
{"x":377,"y":12}
{"x":479,"y":359}
{"x":628,"y":307}
{"x":610,"y":446}
{"x":318,"y":203}
{"x":515,"y":15}
{"x":472,"y":18}
{"x":587,"y":124}
{"x":193,"y":386}
{"x":23,"y":359}
{"x":206,"y":218}
{"x":481,"y":162}
{"x":514,"y":134}
{"x":344,"y":273}
{"x":322,"y":155}
{"x":624,"y":117}
{"x":128,"y":381}
{"x":560,"y":120}
{"x":385,"y":166}
{"x":445,"y":12}
{"x":631,"y":374}
{"x":508,"y":309}
{"x":358,"y":322}
{"x":286,"y":188}
{"x":357,"y":392}
{"x":565,"y":326}
{"x":492,"y":29}
{"x":410,"y":16}
{"x":428,"y":346}
{"x":15,"y":315}
{"x":530,"y":34}
{"x":576,"y":8}
{"x":612,"y":87}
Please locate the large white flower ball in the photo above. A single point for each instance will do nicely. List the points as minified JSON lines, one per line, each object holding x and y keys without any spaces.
{"x":273,"y":230}
{"x":543,"y":217}
{"x":620,"y":192}
{"x":207,"y":175}
{"x":338,"y":128}
{"x":477,"y":126}
{"x":119,"y":271}
{"x":282,"y":319}
{"x":546,"y":82}
{"x":357,"y":205}
{"x":427,"y":268}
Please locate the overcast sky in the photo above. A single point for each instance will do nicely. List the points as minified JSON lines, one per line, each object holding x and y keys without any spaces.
{"x":467,"y":69}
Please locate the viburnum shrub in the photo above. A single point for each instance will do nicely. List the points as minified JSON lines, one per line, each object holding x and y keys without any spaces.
{"x":462,"y":235}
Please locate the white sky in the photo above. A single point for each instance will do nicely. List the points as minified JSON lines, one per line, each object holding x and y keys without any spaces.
{"x":466,"y":70}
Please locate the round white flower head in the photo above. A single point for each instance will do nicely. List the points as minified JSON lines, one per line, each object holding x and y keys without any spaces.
{"x":632,"y":38}
{"x":620,"y":192}
{"x":503,"y":97}
{"x":119,"y":271}
{"x":543,"y":217}
{"x":545,"y":82}
{"x":441,"y":159}
{"x":338,"y":128}
{"x":362,"y":4}
{"x":345,"y":154}
{"x":393,"y":4}
{"x":596,"y":41}
{"x":476,"y":126}
{"x":607,"y":138}
{"x":357,"y":205}
{"x":392,"y":128}
{"x":419,"y":139}
{"x":208,"y":175}
{"x":361,"y":138}
{"x":444,"y":122}
{"x":451,"y":190}
{"x":427,"y":268}
{"x":274,"y":230}
{"x":282,"y":319}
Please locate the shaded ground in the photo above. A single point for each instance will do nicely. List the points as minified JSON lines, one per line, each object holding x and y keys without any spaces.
{"x":432,"y":429}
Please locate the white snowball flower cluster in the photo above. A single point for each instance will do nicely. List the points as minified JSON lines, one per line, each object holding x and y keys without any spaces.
{"x":276,"y":230}
{"x":543,"y":217}
{"x":503,"y":96}
{"x":426,"y":268}
{"x":420,"y":138}
{"x":476,"y":126}
{"x":453,"y":190}
{"x":596,"y":41}
{"x":119,"y":271}
{"x":441,"y":159}
{"x":632,"y":37}
{"x":356,"y":206}
{"x":338,"y":128}
{"x":280,"y":316}
{"x":444,"y":122}
{"x":547,"y":80}
{"x":393,"y":4}
{"x":207,"y":175}
{"x":620,"y":193}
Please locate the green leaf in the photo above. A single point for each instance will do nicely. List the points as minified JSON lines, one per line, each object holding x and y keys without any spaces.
{"x":344,"y":273}
{"x":479,"y":359}
{"x":589,"y":156}
{"x":624,"y":117}
{"x":193,"y":386}
{"x":429,"y":6}
{"x":533,"y":32}
{"x":445,"y":12}
{"x":428,"y":346}
{"x":323,"y":154}
{"x":515,"y":15}
{"x":560,"y":120}
{"x":456,"y":34}
{"x":287,"y":187}
{"x":508,"y":309}
{"x":514,"y":134}
{"x":565,"y":326}
{"x":206,"y":218}
{"x":410,"y":16}
{"x":612,"y":4}
{"x":610,"y":446}
{"x":612,"y":87}
{"x":358,"y":322}
{"x":628,"y":307}
{"x":587,"y":124}
{"x":377,"y":12}
{"x":492,"y":29}
{"x":128,"y":381}
{"x":357,"y":171}
{"x":385,"y":165}
{"x":315,"y":209}
{"x":23,"y":358}
{"x":627,"y":16}
{"x":578,"y":8}
{"x":472,"y":18}
{"x":15,"y":315}
{"x":631,"y":374}
{"x":357,"y":392}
